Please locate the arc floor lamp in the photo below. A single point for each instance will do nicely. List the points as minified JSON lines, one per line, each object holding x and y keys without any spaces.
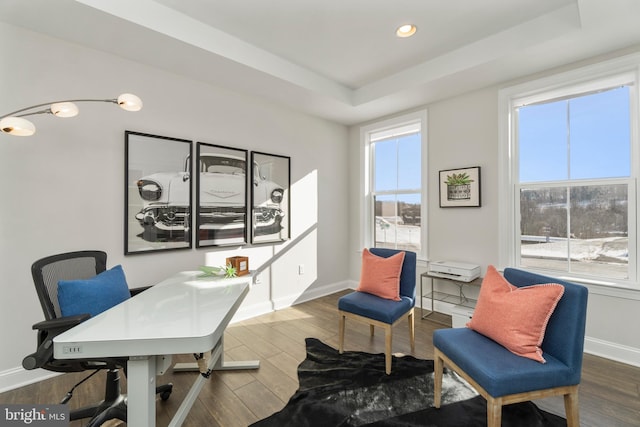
{"x":14,"y":123}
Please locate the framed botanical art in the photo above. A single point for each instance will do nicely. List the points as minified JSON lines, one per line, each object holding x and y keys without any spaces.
{"x":221,"y":192}
{"x":460,"y":187}
{"x":270,"y":199}
{"x":157,"y":193}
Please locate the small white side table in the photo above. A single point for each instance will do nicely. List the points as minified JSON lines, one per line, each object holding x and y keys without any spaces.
{"x":460,"y":299}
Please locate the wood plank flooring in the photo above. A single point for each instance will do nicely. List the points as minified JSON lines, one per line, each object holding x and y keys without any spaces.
{"x":609,"y":393}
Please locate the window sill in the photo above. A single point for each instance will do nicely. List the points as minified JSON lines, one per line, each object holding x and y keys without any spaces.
{"x":609,"y":289}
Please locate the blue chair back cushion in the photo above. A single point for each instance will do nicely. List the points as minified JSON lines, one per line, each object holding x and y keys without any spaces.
{"x":501,"y":372}
{"x":408,"y":274}
{"x":385,"y":310}
{"x":564,"y":336}
{"x":95,"y":295}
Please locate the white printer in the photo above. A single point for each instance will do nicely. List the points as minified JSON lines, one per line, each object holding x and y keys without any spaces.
{"x":454,"y":270}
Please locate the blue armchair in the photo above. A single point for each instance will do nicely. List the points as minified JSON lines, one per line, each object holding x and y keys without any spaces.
{"x":502,"y":377}
{"x":381,"y":312}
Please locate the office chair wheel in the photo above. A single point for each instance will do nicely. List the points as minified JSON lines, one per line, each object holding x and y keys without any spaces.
{"x":164,"y":391}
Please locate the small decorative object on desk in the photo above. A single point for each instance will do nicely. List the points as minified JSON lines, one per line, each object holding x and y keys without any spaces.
{"x":226,"y":271}
{"x":240,"y":263}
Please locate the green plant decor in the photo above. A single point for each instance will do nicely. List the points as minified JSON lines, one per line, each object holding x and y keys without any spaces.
{"x":228,"y":271}
{"x":458,"y":179}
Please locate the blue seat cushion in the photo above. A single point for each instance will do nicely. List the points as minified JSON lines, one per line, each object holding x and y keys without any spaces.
{"x":94,"y":295}
{"x":495,"y":368}
{"x":373,"y":307}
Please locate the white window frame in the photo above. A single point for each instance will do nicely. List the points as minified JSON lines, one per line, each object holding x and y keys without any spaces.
{"x":366,"y":178}
{"x":556,"y":86}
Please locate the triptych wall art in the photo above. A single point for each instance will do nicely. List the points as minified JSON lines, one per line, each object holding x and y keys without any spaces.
{"x":159,"y":180}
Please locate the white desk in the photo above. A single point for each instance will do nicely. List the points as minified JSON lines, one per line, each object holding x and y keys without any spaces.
{"x":182,"y":314}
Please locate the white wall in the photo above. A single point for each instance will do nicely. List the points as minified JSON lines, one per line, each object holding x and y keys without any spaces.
{"x":63,"y":188}
{"x":462,"y":132}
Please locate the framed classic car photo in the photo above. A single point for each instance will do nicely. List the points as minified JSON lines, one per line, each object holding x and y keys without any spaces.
{"x":270,"y":203}
{"x":157,"y":193}
{"x":460,"y":187}
{"x":221,"y":192}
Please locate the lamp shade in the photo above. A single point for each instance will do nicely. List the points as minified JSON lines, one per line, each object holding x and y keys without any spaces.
{"x":17,"y":126}
{"x":64,"y":109}
{"x":129,"y":102}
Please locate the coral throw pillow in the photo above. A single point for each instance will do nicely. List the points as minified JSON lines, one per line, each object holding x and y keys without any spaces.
{"x":515,"y":317}
{"x":380,"y":276}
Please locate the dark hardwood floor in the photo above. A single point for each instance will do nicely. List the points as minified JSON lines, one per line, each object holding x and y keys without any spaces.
{"x":609,"y":393}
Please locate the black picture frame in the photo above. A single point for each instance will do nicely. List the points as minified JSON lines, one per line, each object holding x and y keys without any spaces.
{"x":221,"y":195}
{"x":156,"y":219}
{"x":460,"y":188}
{"x":270,"y":198}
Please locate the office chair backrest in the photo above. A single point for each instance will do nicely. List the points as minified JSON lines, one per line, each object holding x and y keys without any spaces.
{"x":48,"y":271}
{"x":408,"y":274}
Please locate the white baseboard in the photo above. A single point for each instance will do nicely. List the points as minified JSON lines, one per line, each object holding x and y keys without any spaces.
{"x":254,"y":310}
{"x":613,"y":351}
{"x":290,"y":300}
{"x":20,"y":377}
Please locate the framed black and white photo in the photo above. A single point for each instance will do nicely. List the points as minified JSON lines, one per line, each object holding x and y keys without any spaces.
{"x":270,"y":199}
{"x":157,"y":193}
{"x":460,"y":187}
{"x":221,"y":205}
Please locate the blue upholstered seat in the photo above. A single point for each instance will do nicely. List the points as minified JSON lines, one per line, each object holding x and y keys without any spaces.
{"x":382,"y":312}
{"x":373,"y":307}
{"x":502,"y":374}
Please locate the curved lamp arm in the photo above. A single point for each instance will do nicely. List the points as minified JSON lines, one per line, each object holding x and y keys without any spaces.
{"x":14,"y":124}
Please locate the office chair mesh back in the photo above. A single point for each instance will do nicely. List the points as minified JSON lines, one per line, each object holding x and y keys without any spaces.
{"x":47,"y":272}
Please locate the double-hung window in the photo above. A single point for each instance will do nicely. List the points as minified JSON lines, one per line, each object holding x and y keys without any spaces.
{"x":569,"y":190}
{"x":393,"y":196}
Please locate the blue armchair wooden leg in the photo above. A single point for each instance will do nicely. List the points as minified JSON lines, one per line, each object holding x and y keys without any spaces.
{"x":571,"y":407}
{"x":494,"y":411}
{"x":437,"y":380}
{"x":387,"y":348}
{"x":341,"y":323}
{"x":412,"y":332}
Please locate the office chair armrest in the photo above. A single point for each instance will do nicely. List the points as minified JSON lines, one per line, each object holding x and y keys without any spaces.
{"x":60,"y":324}
{"x":47,"y":330}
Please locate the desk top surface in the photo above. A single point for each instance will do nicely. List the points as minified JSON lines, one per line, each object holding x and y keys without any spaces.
{"x":185,"y":313}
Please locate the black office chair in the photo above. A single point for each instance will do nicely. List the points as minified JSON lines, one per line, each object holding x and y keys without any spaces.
{"x":46,"y":273}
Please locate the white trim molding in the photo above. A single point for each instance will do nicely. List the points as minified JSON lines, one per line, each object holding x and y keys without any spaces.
{"x":613,"y":351}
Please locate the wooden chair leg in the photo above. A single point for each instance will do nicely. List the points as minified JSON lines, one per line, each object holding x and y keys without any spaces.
{"x":437,"y":380}
{"x":412,"y":332}
{"x":494,"y":412}
{"x":387,"y":349}
{"x":341,"y":323}
{"x":571,"y":408}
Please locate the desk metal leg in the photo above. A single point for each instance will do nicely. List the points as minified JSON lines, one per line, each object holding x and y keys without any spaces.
{"x":217,"y":355}
{"x":189,"y":400}
{"x":141,"y":391}
{"x":428,"y":315}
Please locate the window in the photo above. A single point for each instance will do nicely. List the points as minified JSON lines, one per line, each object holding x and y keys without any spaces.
{"x":393,"y":205}
{"x":570,"y":196}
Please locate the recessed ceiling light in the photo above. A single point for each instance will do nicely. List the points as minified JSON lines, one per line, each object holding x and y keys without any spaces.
{"x":406,"y":30}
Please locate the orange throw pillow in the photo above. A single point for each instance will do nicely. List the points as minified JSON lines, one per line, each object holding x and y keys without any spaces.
{"x":380,"y":276}
{"x":515,"y":317}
